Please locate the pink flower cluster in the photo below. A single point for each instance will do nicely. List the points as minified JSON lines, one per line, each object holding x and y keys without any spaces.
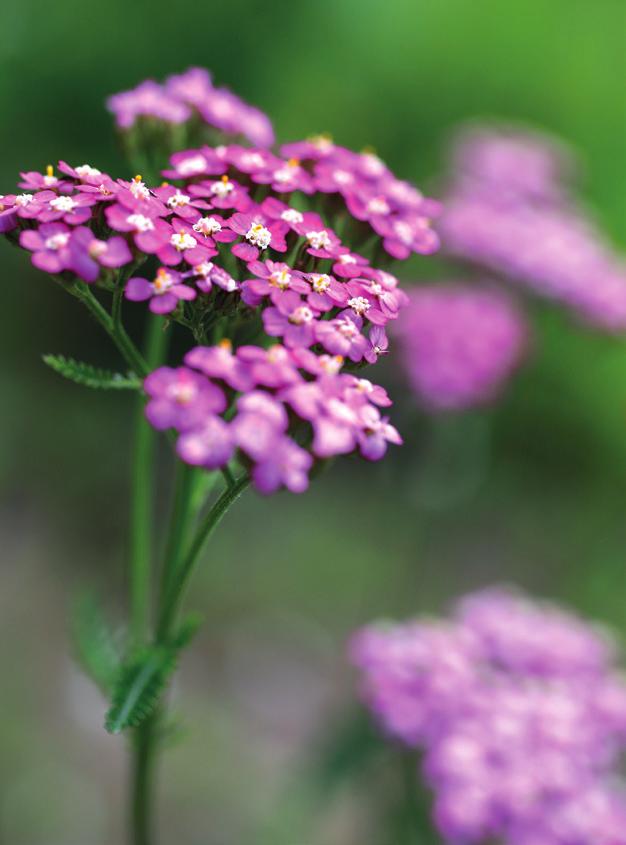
{"x":459,"y":344}
{"x":237,"y":243}
{"x":291,"y":407}
{"x":510,"y":209}
{"x":520,"y":713}
{"x":190,"y":94}
{"x":390,"y":207}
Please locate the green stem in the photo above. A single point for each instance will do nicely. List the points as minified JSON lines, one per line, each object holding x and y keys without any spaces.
{"x":176,"y":592}
{"x":176,"y":575}
{"x":144,"y":749}
{"x":142,"y":492}
{"x":113,"y":328}
{"x":182,"y":515}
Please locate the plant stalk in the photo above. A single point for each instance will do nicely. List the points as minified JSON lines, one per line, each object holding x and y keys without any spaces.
{"x":143,"y":484}
{"x":173,"y":598}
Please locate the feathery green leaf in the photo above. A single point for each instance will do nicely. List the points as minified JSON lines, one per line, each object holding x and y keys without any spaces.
{"x":139,"y":686}
{"x":90,"y":376}
{"x":95,"y":644}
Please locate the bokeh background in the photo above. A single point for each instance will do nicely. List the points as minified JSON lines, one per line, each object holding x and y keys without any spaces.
{"x":532,"y":491}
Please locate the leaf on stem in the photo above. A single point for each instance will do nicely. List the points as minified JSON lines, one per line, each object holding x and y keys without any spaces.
{"x":142,"y":679}
{"x":95,"y":645}
{"x":139,"y":686}
{"x":90,"y":376}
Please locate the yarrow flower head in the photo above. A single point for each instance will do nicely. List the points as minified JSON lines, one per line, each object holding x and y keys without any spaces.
{"x":520,"y":712}
{"x":187,"y":94}
{"x":242,"y":244}
{"x":459,"y":344}
{"x":510,"y":209}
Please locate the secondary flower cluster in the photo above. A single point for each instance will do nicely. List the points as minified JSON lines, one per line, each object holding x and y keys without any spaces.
{"x":510,"y":209}
{"x":459,"y":344}
{"x":187,"y":95}
{"x":520,"y":713}
{"x":292,"y":407}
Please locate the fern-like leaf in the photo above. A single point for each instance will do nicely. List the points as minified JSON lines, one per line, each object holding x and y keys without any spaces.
{"x":187,"y":630}
{"x":90,"y":376}
{"x":139,"y":686}
{"x":95,"y":645}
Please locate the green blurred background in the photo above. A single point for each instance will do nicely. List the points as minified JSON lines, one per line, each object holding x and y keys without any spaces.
{"x":531,"y":492}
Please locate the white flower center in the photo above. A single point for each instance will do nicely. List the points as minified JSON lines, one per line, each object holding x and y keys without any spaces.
{"x":343,"y":177}
{"x":318,"y":240}
{"x":377,"y":289}
{"x":23,"y":200}
{"x":373,"y":165}
{"x":280,"y":279}
{"x":139,"y":190}
{"x":378,"y":205}
{"x":347,"y":328}
{"x":191,"y":166}
{"x":57,"y":242}
{"x":301,"y":315}
{"x":222,"y":188}
{"x":320,"y":282}
{"x":50,"y":180}
{"x":183,"y":394}
{"x":404,"y":232}
{"x":163,"y":281}
{"x":178,"y":200}
{"x":86,"y":170}
{"x":182,"y":241}
{"x":291,"y":216}
{"x":97,"y":248}
{"x":204,"y":269}
{"x":359,"y":304}
{"x":322,"y":143}
{"x":63,"y":204}
{"x":207,"y":226}
{"x":364,"y":385}
{"x":285,"y":174}
{"x":252,"y":160}
{"x":259,"y":236}
{"x":331,"y":364}
{"x":140,"y":223}
{"x":347,"y":259}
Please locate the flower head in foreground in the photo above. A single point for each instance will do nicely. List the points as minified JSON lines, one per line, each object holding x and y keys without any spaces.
{"x":509,"y":209}
{"x":459,"y":344}
{"x":243,"y":244}
{"x":520,"y":713}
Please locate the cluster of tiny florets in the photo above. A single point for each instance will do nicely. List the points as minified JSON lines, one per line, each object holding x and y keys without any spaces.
{"x":283,"y":400}
{"x":459,"y":344}
{"x":510,"y":208}
{"x":243,"y":243}
{"x":191,"y":96}
{"x":520,"y":713}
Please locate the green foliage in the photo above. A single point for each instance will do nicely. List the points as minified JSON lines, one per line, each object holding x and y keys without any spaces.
{"x":141,"y":681}
{"x":139,"y":686}
{"x":90,"y":376}
{"x":186,"y":632}
{"x":95,"y":644}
